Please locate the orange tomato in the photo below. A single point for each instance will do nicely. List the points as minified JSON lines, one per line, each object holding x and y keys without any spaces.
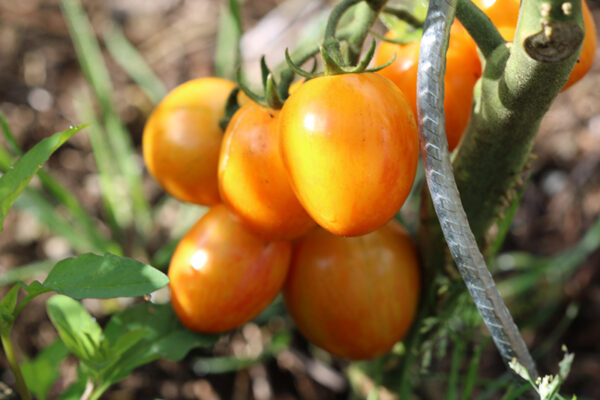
{"x":252,"y":179}
{"x":463,"y":69}
{"x":182,"y":140}
{"x":505,"y":14}
{"x":222,"y":276}
{"x":354,"y":297}
{"x":501,"y":12}
{"x":349,"y":143}
{"x":588,"y":48}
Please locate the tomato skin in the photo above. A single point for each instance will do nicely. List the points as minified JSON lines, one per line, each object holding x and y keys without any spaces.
{"x":354,"y":297}
{"x":222,"y":276}
{"x":588,"y":48}
{"x":253,"y":181}
{"x":463,"y":69}
{"x":182,"y":140}
{"x":350,"y":145}
{"x":505,"y":14}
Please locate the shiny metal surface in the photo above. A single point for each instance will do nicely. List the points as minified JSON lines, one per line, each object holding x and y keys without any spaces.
{"x":444,"y":192}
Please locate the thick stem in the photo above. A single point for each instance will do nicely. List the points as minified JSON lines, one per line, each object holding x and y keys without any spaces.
{"x":510,"y":101}
{"x":444,"y":192}
{"x":11,"y":356}
{"x":365,"y":17}
{"x":479,"y":26}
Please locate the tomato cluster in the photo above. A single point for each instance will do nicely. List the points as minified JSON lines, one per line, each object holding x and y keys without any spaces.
{"x":463,"y":66}
{"x":341,"y":153}
{"x":463,"y":69}
{"x":505,"y":13}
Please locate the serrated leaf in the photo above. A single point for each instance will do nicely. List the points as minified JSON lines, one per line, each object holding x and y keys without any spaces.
{"x":227,"y":56}
{"x":18,"y":176}
{"x":93,"y":276}
{"x":41,"y":372}
{"x":76,"y":327}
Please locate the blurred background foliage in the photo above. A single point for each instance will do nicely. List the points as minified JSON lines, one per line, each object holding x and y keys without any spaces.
{"x":110,"y":62}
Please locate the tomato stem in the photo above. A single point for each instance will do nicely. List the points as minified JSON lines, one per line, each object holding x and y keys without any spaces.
{"x":480,"y":27}
{"x":404,"y":15}
{"x":11,"y":357}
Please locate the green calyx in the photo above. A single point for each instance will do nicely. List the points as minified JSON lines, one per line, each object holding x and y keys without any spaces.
{"x":274,"y":93}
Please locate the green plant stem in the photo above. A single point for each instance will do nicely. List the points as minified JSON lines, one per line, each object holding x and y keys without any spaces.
{"x":330,"y":42}
{"x":511,"y":99}
{"x":404,"y":15}
{"x":366,"y":15}
{"x":479,"y":26}
{"x":11,"y":356}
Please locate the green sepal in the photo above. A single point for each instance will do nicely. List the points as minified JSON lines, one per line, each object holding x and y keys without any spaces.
{"x":231,"y":106}
{"x":253,"y":96}
{"x":294,"y":67}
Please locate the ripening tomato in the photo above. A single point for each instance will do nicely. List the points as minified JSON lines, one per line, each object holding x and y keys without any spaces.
{"x":252,"y":179}
{"x":501,"y":12}
{"x":588,"y":48}
{"x":222,"y":275}
{"x":349,"y":143}
{"x":463,"y":69}
{"x":182,"y":139}
{"x":354,"y":297}
{"x":505,"y":13}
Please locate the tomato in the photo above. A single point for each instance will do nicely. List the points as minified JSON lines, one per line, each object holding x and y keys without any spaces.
{"x":463,"y":69}
{"x":501,"y":12}
{"x":354,"y":297}
{"x":222,"y":276}
{"x":182,"y":140}
{"x":349,"y":143}
{"x":505,"y":13}
{"x":588,"y":48}
{"x":252,"y":179}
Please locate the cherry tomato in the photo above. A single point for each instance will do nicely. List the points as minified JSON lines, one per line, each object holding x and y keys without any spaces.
{"x":588,"y":48}
{"x":349,"y":143}
{"x":505,"y":13}
{"x":182,"y":140}
{"x":222,"y":276}
{"x":252,"y":179}
{"x":501,"y":12}
{"x":463,"y":69}
{"x":354,"y":297}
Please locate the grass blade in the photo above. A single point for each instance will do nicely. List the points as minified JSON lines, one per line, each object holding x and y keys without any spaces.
{"x":9,"y":136}
{"x":16,"y":179}
{"x":228,"y":56}
{"x":92,"y":63}
{"x":127,"y":56}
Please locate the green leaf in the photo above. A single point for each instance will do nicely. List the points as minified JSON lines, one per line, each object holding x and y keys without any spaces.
{"x":7,"y":307}
{"x":228,"y":56}
{"x":9,"y":301}
{"x":76,"y":327}
{"x":119,"y":140}
{"x":165,"y":337}
{"x":93,"y":276}
{"x":8,"y":136}
{"x":41,"y":373}
{"x":19,"y":175}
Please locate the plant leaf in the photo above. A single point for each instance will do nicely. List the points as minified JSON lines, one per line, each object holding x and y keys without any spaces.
{"x":41,"y":373}
{"x":19,"y":175}
{"x":165,"y":337}
{"x":76,"y":327}
{"x":93,"y":276}
{"x":227,"y":56}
